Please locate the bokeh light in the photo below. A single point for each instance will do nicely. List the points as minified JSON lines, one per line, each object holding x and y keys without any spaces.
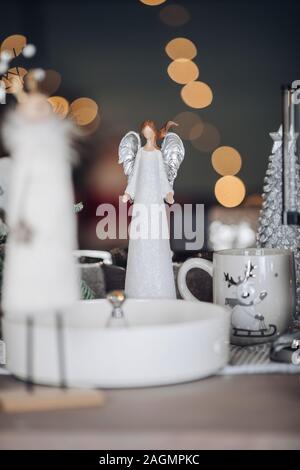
{"x":253,"y":200}
{"x":209,"y":138}
{"x":83,"y":111}
{"x":91,"y":128}
{"x":197,"y":130}
{"x":187,"y":121}
{"x":197,"y":95}
{"x":230,"y":191}
{"x":181,"y":48}
{"x":152,"y":3}
{"x":226,"y":161}
{"x":50,"y":83}
{"x":183,"y":71}
{"x":174,"y":15}
{"x":14,"y":44}
{"x":14,"y":79}
{"x":59,"y":105}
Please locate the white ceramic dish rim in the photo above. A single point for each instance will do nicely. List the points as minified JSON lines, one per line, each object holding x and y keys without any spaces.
{"x":43,"y":320}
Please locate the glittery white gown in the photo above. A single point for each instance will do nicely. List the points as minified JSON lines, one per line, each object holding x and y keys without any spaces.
{"x":40,"y":273}
{"x":149,"y":271}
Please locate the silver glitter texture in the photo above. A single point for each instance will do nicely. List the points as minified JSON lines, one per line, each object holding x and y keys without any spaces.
{"x":271,"y":232}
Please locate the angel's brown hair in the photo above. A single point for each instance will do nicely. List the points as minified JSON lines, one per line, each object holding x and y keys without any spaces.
{"x":159,"y":134}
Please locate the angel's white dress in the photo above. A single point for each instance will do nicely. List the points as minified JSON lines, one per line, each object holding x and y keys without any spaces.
{"x":149,"y":266}
{"x":40,"y":272}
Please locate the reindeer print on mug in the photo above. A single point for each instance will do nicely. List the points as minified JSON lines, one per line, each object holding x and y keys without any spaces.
{"x":246,"y":320}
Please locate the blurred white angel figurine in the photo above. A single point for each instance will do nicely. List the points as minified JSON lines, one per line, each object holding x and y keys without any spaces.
{"x":151,"y":172}
{"x":40,"y":272}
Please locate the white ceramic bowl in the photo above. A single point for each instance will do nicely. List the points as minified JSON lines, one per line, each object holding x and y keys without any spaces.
{"x":166,"y":342}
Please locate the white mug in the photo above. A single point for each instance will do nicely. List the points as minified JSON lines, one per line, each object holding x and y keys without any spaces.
{"x":257,"y":285}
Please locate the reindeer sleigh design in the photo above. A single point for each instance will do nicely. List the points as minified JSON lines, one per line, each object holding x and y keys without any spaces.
{"x":246,"y":321}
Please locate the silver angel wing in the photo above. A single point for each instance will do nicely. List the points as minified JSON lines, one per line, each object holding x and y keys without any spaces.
{"x":172,"y":150}
{"x":128,"y":149}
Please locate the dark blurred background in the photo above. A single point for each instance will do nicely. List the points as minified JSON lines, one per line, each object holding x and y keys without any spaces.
{"x":113,"y":51}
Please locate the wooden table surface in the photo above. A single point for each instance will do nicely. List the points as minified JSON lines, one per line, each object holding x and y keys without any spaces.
{"x":238,"y":412}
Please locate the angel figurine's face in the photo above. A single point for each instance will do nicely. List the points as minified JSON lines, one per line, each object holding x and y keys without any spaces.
{"x":35,"y":107}
{"x":148,"y":133}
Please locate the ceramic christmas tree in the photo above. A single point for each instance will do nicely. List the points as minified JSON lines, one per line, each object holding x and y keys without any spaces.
{"x":151,"y":172}
{"x":279,"y":218}
{"x":271,"y":228}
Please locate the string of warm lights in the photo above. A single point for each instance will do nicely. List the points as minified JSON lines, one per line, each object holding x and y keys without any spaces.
{"x":183,"y":70}
{"x":152,"y":2}
{"x":12,"y":78}
{"x":174,"y":15}
{"x":83,"y":111}
{"x":230,"y":191}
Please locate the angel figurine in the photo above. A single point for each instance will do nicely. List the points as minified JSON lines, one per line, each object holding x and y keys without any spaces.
{"x":151,"y":172}
{"x":40,"y":272}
